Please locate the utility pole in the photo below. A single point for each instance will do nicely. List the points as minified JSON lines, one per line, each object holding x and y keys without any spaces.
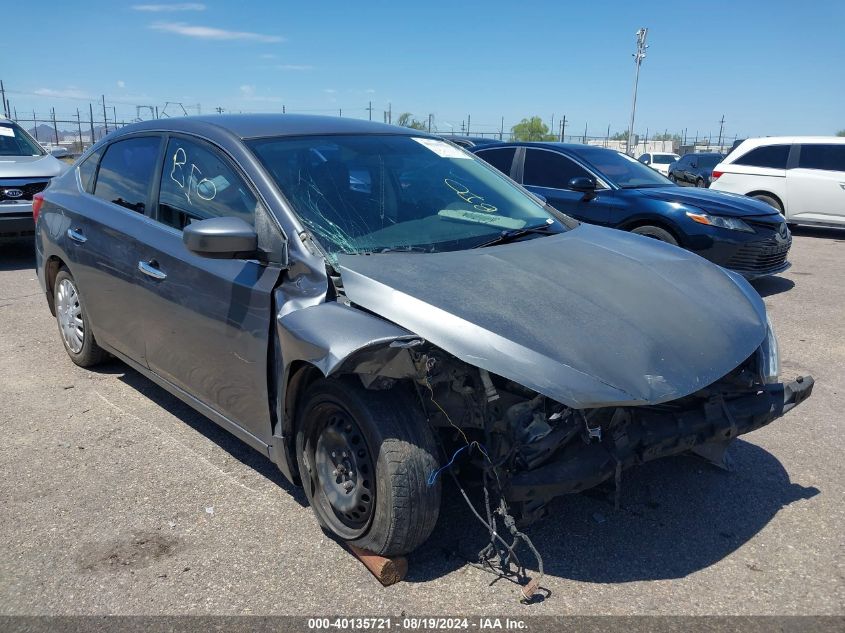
{"x":721,"y":129}
{"x":390,"y":113}
{"x":91,"y":122}
{"x":55,"y":129}
{"x":607,"y":136}
{"x":552,"y":124}
{"x":79,"y":129}
{"x":562,"y":128}
{"x":219,"y":110}
{"x":3,"y":98}
{"x":34,"y":125}
{"x":639,"y":56}
{"x":469,"y":118}
{"x":105,"y":118}
{"x":430,"y":116}
{"x":340,"y":112}
{"x":114,"y":116}
{"x":370,"y":110}
{"x":585,"y":134}
{"x":502,"y":129}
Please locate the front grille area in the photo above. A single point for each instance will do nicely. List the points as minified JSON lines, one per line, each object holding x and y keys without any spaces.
{"x":29,"y":189}
{"x":761,"y":257}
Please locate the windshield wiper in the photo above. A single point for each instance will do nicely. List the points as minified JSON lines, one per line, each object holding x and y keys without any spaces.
{"x":509,"y":236}
{"x":401,"y":249}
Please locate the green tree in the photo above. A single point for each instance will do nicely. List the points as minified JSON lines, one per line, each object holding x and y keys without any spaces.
{"x":532,"y":129}
{"x":840,"y":133}
{"x":667,"y":136}
{"x":406,"y":119}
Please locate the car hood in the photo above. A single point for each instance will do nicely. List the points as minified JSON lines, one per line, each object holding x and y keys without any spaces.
{"x":30,"y":166}
{"x":716,"y":202}
{"x":590,"y":317}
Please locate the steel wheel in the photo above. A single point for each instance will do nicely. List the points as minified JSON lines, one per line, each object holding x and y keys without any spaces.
{"x":69,"y":315}
{"x":344,"y":469}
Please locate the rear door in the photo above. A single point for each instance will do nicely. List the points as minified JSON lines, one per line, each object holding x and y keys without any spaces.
{"x":502,"y":158}
{"x":816,"y":187}
{"x":103,"y":240}
{"x":547,"y":173}
{"x":208,"y":320}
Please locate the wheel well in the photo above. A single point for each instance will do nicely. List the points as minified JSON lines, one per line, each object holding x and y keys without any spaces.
{"x":51,"y":268}
{"x":301,"y":375}
{"x":767,"y":193}
{"x":658,"y":223}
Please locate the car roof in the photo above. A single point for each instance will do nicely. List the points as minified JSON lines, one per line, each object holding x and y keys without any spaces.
{"x":247,"y":126}
{"x":780,"y":140}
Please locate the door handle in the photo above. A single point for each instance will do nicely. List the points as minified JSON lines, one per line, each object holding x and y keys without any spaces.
{"x":151,"y":269}
{"x":76,"y":236}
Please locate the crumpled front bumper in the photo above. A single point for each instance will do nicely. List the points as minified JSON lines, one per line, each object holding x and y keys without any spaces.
{"x":641,"y":434}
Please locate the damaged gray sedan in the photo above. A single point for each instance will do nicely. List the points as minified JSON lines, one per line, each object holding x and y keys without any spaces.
{"x":373,"y":309}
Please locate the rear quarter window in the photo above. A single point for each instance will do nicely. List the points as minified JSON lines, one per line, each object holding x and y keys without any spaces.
{"x":87,"y":169}
{"x":501,"y":158}
{"x":771,"y":156}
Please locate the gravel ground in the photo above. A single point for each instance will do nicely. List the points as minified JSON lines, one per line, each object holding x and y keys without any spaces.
{"x":118,"y":499}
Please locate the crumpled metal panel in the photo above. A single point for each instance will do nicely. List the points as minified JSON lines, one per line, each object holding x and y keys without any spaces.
{"x":591,"y":317}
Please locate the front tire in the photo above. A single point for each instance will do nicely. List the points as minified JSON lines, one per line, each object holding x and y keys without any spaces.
{"x":655,"y":232}
{"x":74,"y":328}
{"x":364,"y":459}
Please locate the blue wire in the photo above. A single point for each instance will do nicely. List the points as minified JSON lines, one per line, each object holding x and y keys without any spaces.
{"x":432,"y":478}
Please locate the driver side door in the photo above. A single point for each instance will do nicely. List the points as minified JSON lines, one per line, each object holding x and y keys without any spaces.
{"x":547,"y":173}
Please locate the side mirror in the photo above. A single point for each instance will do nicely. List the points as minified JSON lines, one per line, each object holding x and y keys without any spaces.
{"x":221,"y":238}
{"x":693,"y":164}
{"x":582,"y":183}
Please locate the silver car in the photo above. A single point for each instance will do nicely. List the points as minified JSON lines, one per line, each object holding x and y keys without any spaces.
{"x":25,"y":169}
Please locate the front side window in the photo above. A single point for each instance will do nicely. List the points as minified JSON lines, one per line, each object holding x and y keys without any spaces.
{"x":550,"y":169}
{"x":771,"y":156}
{"x":15,"y":142}
{"x":645,"y":159}
{"x":622,"y":170}
{"x":197,"y":183}
{"x":500,"y":158}
{"x":825,"y":157}
{"x":375,"y":193}
{"x":126,"y":172}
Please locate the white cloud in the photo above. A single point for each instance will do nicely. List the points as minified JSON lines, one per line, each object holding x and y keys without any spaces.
{"x":64,"y":93}
{"x":329,"y":91}
{"x":293,"y":67}
{"x":268,"y":56}
{"x":248,"y":94}
{"x":370,"y":91}
{"x":121,"y":84}
{"x":169,"y":8}
{"x":211,"y":33}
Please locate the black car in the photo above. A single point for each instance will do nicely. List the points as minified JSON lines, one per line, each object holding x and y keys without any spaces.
{"x":694,"y":170}
{"x":368,"y":305}
{"x":469,"y":141}
{"x":606,"y":187}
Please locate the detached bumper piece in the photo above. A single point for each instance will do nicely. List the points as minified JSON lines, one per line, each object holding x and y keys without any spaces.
{"x":640,"y":434}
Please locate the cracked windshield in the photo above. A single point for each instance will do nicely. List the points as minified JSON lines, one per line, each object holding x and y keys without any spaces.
{"x":375,"y":194}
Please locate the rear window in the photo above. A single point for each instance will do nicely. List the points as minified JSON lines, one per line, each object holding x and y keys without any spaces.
{"x":126,"y":172}
{"x":501,"y":158}
{"x":664,"y":159}
{"x":826,"y":157}
{"x":772,"y":156}
{"x":15,"y":142}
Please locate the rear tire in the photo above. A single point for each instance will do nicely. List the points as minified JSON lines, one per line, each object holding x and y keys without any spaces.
{"x":74,"y":328}
{"x":364,"y":459}
{"x":655,"y":232}
{"x":769,"y":200}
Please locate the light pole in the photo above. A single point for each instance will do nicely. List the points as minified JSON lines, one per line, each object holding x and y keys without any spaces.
{"x":639,"y":56}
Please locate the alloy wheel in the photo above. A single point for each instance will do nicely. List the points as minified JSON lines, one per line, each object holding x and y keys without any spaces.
{"x":69,"y":315}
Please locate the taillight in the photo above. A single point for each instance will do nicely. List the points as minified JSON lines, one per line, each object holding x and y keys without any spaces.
{"x":715,"y":175}
{"x":37,"y":201}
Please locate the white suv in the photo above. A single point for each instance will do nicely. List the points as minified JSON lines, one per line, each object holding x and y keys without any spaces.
{"x":803,"y":177}
{"x":659,"y":161}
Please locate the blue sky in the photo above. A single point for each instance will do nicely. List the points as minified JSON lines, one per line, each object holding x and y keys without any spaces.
{"x":770,"y":67}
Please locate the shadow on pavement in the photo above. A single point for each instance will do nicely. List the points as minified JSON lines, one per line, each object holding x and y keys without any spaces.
{"x":17,"y":255}
{"x":678,"y":515}
{"x":201,"y":424}
{"x":768,"y":286}
{"x":819,"y":231}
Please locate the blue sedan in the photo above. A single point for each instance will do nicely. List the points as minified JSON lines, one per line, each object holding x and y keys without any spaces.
{"x":605,"y":187}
